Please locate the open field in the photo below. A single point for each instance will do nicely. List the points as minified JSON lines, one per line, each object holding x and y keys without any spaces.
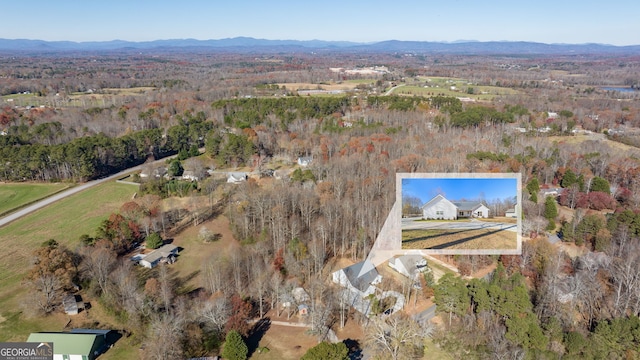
{"x":83,"y":213}
{"x":578,"y":139}
{"x":102,"y":97}
{"x":196,"y":253}
{"x":284,"y":342}
{"x":347,"y":85}
{"x":480,"y":92}
{"x":459,"y":239}
{"x":13,"y":196}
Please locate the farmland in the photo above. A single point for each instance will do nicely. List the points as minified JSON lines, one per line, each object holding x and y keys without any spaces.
{"x":83,"y":213}
{"x":16,"y":195}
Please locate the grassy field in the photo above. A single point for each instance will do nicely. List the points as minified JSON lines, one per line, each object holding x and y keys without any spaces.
{"x":79,"y":99}
{"x":459,"y":239}
{"x":435,"y":85}
{"x":16,"y":195}
{"x":83,"y":213}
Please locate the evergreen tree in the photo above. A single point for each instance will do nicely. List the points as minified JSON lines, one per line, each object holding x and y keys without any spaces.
{"x":327,"y":351}
{"x":532,"y":188}
{"x":568,"y":179}
{"x":451,"y":295}
{"x":550,"y":209}
{"x":234,"y":347}
{"x":600,"y":184}
{"x":154,"y":241}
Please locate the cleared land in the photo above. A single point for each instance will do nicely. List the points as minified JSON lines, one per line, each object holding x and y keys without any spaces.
{"x":83,"y":213}
{"x":15,"y":196}
{"x":459,"y":239}
{"x":83,"y":99}
{"x":347,"y":85}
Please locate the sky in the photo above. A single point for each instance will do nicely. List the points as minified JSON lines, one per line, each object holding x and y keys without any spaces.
{"x":612,"y":22}
{"x":458,"y":189}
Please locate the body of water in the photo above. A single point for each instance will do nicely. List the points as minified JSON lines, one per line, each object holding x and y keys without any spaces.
{"x":621,"y":89}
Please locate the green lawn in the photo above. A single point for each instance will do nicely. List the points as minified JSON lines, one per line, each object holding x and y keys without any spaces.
{"x":16,"y":195}
{"x":64,"y":221}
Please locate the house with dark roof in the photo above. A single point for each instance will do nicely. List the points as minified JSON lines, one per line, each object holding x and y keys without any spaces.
{"x":441,"y":208}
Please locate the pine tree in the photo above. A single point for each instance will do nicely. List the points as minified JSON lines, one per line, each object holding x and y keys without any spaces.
{"x":234,"y":347}
{"x":550,"y":209}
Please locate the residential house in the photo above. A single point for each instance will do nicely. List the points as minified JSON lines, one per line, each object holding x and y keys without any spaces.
{"x":358,"y":281}
{"x":236,"y":177}
{"x":166,"y":252}
{"x":79,"y":344}
{"x":555,"y":192}
{"x":153,"y":172}
{"x":441,"y":208}
{"x":410,"y":266}
{"x":511,"y":213}
{"x":305,"y":160}
{"x":190,"y":175}
{"x":360,"y":277}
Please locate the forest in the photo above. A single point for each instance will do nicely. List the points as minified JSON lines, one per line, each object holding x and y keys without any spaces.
{"x":83,"y":116}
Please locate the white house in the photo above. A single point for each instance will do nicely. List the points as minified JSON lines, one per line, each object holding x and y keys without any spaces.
{"x":168,"y":252}
{"x":511,"y":213}
{"x":305,"y":160}
{"x":190,"y":175}
{"x":441,"y":208}
{"x":360,"y":277}
{"x":409,"y":265}
{"x":236,"y":177}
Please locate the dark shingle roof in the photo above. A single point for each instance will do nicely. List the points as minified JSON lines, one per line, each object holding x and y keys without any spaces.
{"x":361,"y":282}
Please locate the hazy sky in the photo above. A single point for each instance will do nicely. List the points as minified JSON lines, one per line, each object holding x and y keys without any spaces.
{"x":457,"y":189}
{"x":614,"y":22}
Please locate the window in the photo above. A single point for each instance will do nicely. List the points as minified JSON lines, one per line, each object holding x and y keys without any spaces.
{"x":439,"y":212}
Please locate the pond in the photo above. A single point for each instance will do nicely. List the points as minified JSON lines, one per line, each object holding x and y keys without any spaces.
{"x":620,"y":89}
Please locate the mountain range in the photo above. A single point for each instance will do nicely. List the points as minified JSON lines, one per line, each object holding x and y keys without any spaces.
{"x":248,"y":44}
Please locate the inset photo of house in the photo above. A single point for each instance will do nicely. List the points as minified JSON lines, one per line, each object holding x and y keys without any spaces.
{"x":460,"y":213}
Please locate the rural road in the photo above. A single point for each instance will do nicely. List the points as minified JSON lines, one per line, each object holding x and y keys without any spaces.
{"x":76,"y":189}
{"x":390,"y":91}
{"x":50,"y":200}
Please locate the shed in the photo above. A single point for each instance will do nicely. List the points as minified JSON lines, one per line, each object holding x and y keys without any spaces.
{"x":72,"y":304}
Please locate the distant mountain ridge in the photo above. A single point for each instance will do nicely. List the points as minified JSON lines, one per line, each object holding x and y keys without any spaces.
{"x":249,"y":44}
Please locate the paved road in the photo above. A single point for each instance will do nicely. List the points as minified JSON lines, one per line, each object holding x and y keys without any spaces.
{"x":76,"y":189}
{"x":473,"y":224}
{"x":50,"y":200}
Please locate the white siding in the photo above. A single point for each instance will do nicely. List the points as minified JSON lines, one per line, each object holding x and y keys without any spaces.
{"x":482,"y":211}
{"x":442,"y":209}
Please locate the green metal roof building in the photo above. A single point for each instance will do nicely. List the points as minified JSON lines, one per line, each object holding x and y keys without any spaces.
{"x":73,"y":346}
